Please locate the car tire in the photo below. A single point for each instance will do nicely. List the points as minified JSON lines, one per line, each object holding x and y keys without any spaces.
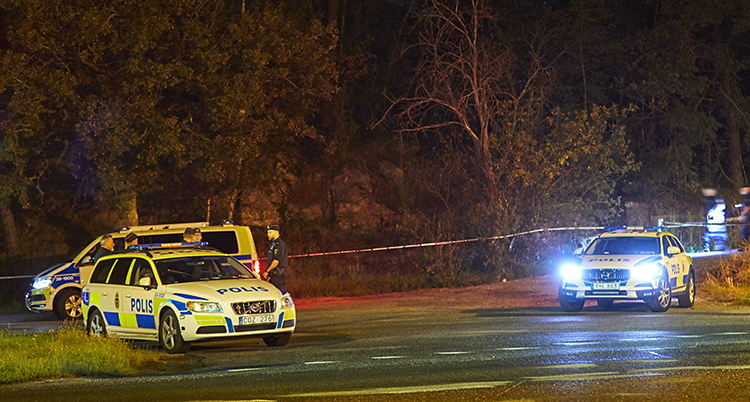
{"x":687,"y":299}
{"x":277,"y":340}
{"x":569,"y":305}
{"x":605,"y":303}
{"x":663,"y":299}
{"x":68,"y":304}
{"x":96,"y":326}
{"x":170,"y":335}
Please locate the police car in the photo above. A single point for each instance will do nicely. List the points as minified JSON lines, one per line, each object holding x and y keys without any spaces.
{"x":644,"y":263}
{"x":180,"y":293}
{"x":58,"y":288}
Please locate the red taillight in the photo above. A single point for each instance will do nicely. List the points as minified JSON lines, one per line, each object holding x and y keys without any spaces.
{"x":256,"y":266}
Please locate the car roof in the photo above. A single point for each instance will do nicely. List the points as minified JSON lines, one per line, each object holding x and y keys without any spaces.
{"x":635,"y":233}
{"x":166,"y":252}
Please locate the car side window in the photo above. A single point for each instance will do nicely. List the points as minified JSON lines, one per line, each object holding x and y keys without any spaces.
{"x":665,"y":244}
{"x":226,"y":241}
{"x":676,"y":243}
{"x":141,"y":269}
{"x":120,"y":271}
{"x":101,"y":271}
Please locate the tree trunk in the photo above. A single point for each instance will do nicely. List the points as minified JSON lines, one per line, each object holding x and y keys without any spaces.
{"x":127,"y":210}
{"x":736,"y":171}
{"x":9,"y":227}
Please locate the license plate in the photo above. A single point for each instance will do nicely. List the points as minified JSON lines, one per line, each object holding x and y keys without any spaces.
{"x":256,"y":319}
{"x":607,"y":286}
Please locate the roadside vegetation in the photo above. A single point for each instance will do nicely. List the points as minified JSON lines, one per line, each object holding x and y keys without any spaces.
{"x":729,"y":280}
{"x":66,"y":353}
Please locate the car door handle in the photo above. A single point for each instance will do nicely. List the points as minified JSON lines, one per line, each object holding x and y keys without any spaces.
{"x":104,"y":293}
{"x":128,"y":296}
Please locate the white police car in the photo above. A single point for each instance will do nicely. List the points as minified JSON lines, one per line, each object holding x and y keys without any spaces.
{"x":180,"y":293}
{"x":646,"y":264}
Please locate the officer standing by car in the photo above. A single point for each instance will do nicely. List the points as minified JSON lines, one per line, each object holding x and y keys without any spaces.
{"x":745,"y":214}
{"x":278,"y":260}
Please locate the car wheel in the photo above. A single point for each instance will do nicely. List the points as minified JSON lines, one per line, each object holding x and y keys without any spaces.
{"x":605,"y":303}
{"x":96,"y":325}
{"x":277,"y":340}
{"x":569,"y":305}
{"x":68,"y":304}
{"x":687,"y":299}
{"x":170,"y":336}
{"x":663,"y":299}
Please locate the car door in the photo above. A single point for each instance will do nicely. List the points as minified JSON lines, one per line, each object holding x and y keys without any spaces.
{"x":683,"y":261}
{"x":137,"y":313}
{"x":112,"y":293}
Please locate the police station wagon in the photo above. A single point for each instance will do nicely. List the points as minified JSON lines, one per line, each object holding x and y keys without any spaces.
{"x":181,"y":293}
{"x":646,"y":264}
{"x":58,"y":288}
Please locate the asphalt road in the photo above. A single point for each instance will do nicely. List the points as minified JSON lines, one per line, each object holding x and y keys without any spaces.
{"x":398,"y":349}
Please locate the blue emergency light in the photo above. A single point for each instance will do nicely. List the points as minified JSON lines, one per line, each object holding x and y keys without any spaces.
{"x":166,"y":245}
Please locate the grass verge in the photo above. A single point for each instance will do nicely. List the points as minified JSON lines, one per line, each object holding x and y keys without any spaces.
{"x":68,"y":352}
{"x":729,"y":280}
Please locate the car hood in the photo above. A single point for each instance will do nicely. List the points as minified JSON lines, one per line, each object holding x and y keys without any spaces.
{"x":225,"y":290}
{"x":617,"y":261}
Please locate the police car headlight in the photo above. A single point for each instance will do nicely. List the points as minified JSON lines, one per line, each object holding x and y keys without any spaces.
{"x":645,"y":272}
{"x":570,"y":272}
{"x":287,"y":301}
{"x":41,"y":283}
{"x":205,"y":307}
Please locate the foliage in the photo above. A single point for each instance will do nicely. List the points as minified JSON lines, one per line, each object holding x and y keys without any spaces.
{"x":66,"y":353}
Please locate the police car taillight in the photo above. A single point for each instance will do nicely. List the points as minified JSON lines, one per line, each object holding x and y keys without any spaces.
{"x":256,"y":266}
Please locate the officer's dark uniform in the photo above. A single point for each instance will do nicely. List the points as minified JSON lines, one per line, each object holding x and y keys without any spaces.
{"x":278,"y":252}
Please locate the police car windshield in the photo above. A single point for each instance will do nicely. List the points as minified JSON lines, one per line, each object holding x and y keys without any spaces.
{"x":195,"y":269}
{"x":624,"y":245}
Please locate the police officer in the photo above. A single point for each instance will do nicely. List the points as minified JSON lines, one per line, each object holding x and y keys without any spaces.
{"x":745,"y":214}
{"x":131,"y":240}
{"x":277,"y":259}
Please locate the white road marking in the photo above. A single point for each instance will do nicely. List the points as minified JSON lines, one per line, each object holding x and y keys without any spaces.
{"x":573,"y":366}
{"x":404,"y":390}
{"x":246,"y":369}
{"x":324,"y":362}
{"x":387,"y":357}
{"x":452,"y":353}
{"x":576,"y":376}
{"x":731,"y":333}
{"x":520,"y":348}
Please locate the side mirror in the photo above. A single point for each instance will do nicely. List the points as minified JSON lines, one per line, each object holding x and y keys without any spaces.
{"x":578,"y":252}
{"x":145,"y":282}
{"x":673,"y":250}
{"x":87,"y":260}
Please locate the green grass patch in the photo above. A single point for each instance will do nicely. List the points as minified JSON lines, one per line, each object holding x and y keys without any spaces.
{"x":68,"y":352}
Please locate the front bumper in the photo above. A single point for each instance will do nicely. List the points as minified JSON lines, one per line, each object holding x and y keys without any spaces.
{"x":38,"y":300}
{"x":199,"y":327}
{"x":624,"y":291}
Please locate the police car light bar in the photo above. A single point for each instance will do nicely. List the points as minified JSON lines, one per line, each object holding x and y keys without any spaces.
{"x":163,"y":227}
{"x":165,"y":245}
{"x":659,"y":228}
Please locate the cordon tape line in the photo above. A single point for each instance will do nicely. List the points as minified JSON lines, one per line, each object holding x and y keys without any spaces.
{"x":443,"y":243}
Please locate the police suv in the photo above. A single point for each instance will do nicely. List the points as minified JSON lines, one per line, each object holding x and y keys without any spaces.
{"x":624,"y":263}
{"x":180,"y":293}
{"x":59,"y":288}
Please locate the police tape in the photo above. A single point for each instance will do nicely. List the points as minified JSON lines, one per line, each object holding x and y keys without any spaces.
{"x":666,"y":225}
{"x":447,"y":242}
{"x":17,"y":277}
